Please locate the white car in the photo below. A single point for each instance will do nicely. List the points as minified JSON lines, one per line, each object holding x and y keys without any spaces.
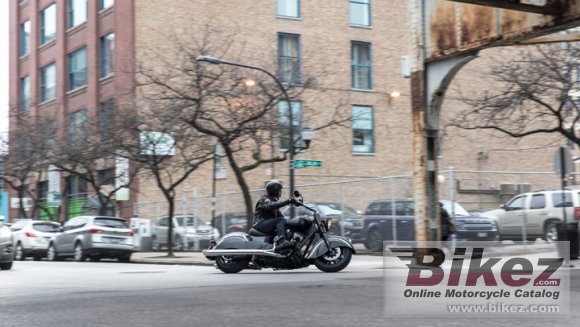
{"x":6,"y":255}
{"x":31,"y":238}
{"x":187,"y":231}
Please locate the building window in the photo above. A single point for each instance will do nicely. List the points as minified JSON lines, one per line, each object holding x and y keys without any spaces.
{"x":24,"y":93}
{"x":77,"y":126}
{"x":24,"y":38}
{"x":288,"y":8}
{"x":77,"y":69}
{"x":77,"y":12}
{"x":48,"y":24}
{"x":362,"y":130}
{"x":361,"y":66}
{"x":104,"y":4}
{"x":289,"y":58}
{"x":107,"y":54}
{"x":284,"y":140}
{"x":105,"y":119}
{"x":48,"y":82}
{"x":360,"y":12}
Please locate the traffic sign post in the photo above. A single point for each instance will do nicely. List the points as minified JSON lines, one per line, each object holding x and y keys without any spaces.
{"x":307,"y":163}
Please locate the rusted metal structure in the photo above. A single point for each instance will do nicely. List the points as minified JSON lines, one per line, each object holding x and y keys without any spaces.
{"x":447,"y":34}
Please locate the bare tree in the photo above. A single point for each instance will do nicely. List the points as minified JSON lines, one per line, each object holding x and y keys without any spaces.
{"x":29,"y":149}
{"x":243,"y":110}
{"x":530,"y":96}
{"x":162,"y":147}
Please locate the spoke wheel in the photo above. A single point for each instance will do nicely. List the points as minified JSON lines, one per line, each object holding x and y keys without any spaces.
{"x":51,"y":254}
{"x":79,"y":254}
{"x":551,"y":233}
{"x":375,"y":241}
{"x":334,"y":260}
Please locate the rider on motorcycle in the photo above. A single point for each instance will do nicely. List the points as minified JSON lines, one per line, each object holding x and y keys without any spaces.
{"x":267,"y":216}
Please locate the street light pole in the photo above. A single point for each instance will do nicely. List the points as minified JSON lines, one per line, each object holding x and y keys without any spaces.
{"x":292,"y":150}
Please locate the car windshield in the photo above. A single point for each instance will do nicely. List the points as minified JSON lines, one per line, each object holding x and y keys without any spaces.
{"x":335,"y":209}
{"x":46,"y":228}
{"x":111,"y":222}
{"x":454,"y":210}
{"x":189,"y":221}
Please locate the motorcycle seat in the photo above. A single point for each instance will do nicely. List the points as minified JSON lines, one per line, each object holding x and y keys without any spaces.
{"x":255,"y":232}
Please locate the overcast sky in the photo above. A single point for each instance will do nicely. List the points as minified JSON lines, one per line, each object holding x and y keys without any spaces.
{"x":4,"y":65}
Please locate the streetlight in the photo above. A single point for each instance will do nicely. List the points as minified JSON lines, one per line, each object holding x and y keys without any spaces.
{"x":204,"y":60}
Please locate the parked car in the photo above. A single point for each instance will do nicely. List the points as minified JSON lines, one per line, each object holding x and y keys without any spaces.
{"x":542,"y":211}
{"x":385,"y":219}
{"x":346,"y":221}
{"x":187,"y":230}
{"x":6,"y":247}
{"x":93,"y":237}
{"x":234,"y":222}
{"x":31,"y":238}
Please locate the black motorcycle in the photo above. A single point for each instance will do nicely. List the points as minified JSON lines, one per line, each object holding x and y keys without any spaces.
{"x":237,"y":251}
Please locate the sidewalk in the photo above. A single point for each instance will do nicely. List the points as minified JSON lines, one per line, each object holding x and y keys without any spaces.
{"x":179,"y":258}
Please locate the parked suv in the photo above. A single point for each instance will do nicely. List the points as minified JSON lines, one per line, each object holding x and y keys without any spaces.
{"x":31,"y":238}
{"x":385,"y":219}
{"x":541,"y":211}
{"x":93,"y":237}
{"x":6,"y":255}
{"x":186,"y":231}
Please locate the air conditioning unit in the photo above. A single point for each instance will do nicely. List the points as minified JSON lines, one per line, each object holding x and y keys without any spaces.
{"x":507,"y":189}
{"x":523,"y":188}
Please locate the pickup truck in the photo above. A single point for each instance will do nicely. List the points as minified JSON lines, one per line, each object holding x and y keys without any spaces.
{"x":389,"y":220}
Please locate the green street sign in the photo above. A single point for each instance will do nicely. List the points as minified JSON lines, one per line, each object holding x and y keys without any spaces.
{"x":307,"y":163}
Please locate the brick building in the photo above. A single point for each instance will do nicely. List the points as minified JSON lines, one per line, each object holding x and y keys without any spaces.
{"x":67,"y":55}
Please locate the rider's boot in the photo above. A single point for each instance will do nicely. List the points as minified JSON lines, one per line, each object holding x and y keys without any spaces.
{"x":282,"y":243}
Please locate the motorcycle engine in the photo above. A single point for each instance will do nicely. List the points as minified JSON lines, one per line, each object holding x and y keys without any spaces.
{"x":298,"y":237}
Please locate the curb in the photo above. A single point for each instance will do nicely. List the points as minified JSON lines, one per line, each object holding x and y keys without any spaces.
{"x":169,"y":263}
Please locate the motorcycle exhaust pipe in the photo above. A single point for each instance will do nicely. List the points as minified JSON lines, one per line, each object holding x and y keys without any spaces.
{"x":237,"y":252}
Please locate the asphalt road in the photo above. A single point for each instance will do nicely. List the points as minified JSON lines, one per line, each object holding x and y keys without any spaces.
{"x":116,"y":294}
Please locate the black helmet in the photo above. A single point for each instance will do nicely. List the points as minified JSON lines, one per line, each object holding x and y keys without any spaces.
{"x":274,"y":188}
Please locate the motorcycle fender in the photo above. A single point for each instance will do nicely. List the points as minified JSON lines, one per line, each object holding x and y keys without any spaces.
{"x":232,"y":241}
{"x":320,"y":248}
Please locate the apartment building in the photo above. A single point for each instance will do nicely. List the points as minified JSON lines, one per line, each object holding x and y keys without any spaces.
{"x":69,"y":57}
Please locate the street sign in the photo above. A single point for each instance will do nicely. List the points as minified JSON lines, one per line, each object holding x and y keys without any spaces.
{"x":307,"y":163}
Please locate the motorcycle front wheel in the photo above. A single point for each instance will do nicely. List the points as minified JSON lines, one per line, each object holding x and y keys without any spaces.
{"x":335,"y":260}
{"x":228,"y":265}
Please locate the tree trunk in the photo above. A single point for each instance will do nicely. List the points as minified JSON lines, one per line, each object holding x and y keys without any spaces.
{"x":243,"y":185}
{"x":170,"y":196}
{"x":21,"y":210}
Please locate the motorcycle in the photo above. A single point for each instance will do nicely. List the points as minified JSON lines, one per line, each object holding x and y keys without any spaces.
{"x":237,"y":251}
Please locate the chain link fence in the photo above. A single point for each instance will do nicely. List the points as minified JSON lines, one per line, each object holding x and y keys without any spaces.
{"x":474,"y":190}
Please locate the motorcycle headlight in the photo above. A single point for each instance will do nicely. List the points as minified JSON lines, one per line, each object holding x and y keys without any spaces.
{"x":327,"y":224}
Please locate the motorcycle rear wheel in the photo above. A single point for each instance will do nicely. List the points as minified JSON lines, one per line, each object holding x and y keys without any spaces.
{"x":230,"y":266}
{"x":334,"y":261}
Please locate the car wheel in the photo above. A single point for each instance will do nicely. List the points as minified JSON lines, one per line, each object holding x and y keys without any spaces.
{"x":51,"y":254}
{"x":19,"y":253}
{"x":79,"y":254}
{"x":155,"y":246}
{"x":125,"y":258}
{"x":36,"y":258}
{"x":374,"y":241}
{"x":551,"y":232}
{"x":6,"y":266}
{"x":178,"y":244}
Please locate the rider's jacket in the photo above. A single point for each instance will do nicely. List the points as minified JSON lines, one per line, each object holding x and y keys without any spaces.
{"x":267,"y":208}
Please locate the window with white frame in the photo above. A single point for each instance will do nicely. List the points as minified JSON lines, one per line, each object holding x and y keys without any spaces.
{"x":77,"y":12}
{"x":77,"y":69}
{"x":107,"y":54}
{"x":24,"y":93}
{"x":24,"y":38}
{"x":288,"y":8}
{"x":360,"y":12}
{"x":284,"y":119}
{"x":361,"y":66}
{"x":362,"y":129}
{"x":48,"y":82}
{"x":48,"y":24}
{"x":289,"y":58}
{"x":104,"y":4}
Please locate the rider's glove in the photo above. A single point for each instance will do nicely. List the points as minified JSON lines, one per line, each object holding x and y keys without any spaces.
{"x":295,"y":202}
